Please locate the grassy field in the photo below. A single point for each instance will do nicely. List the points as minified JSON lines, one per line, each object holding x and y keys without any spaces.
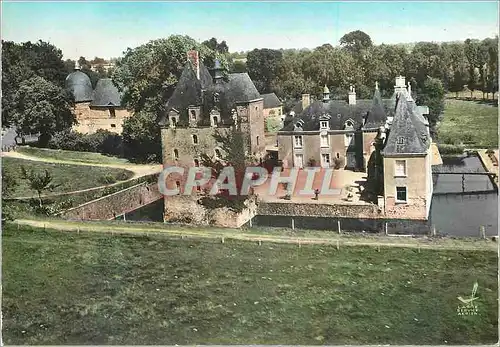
{"x":70,"y":177}
{"x":83,"y":157}
{"x":469,"y":122}
{"x":68,"y":288}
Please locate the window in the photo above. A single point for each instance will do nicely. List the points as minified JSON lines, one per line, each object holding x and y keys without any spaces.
{"x":400,"y":168}
{"x":323,"y":124}
{"x":257,"y":138}
{"x":215,"y":121}
{"x":401,"y":140}
{"x":178,"y":184}
{"x":113,"y":125}
{"x":324,"y":140}
{"x":217,"y":153}
{"x":401,"y":194}
{"x":176,"y":154}
{"x":196,"y":162}
{"x":325,"y":160}
{"x":298,"y":141}
{"x":338,"y":155}
{"x":195,"y":139}
{"x":112,"y":113}
{"x":193,"y":115}
{"x":173,"y":121}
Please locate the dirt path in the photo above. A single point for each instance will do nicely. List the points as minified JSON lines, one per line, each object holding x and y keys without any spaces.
{"x":245,"y":235}
{"x":139,"y":170}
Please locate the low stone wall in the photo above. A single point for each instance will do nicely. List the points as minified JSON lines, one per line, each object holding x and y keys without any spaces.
{"x":318,"y":210}
{"x":113,"y":205}
{"x":187,"y":210}
{"x":394,"y":226}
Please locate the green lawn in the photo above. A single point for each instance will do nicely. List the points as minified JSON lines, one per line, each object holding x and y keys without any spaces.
{"x":68,"y":288}
{"x":70,"y":177}
{"x":469,"y":122}
{"x":83,"y":157}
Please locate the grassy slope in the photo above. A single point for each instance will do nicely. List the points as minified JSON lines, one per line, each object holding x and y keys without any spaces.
{"x":62,"y":288}
{"x":71,"y":177}
{"x":469,"y":121}
{"x":83,"y":157}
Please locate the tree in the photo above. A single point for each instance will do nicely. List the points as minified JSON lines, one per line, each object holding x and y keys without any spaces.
{"x":147,"y":75}
{"x":356,"y":42}
{"x":38,"y":182}
{"x":432,"y":94}
{"x":214,"y":45}
{"x":141,"y":137}
{"x":238,"y":66}
{"x":262,"y":65}
{"x":41,"y":106}
{"x":472,"y":54}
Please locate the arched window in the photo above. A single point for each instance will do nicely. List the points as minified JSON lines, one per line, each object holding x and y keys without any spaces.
{"x":215,"y":120}
{"x":196,"y":162}
{"x":195,"y":139}
{"x":257,"y":138}
{"x":193,"y":114}
{"x":176,"y":154}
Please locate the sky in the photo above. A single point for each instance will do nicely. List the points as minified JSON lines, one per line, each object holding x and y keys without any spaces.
{"x":107,"y":29}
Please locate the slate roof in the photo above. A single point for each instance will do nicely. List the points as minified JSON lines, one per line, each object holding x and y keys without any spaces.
{"x":340,"y":112}
{"x":106,"y":94}
{"x":190,"y":91}
{"x":378,"y":111}
{"x":408,"y":134}
{"x":271,"y":100}
{"x":78,"y":83}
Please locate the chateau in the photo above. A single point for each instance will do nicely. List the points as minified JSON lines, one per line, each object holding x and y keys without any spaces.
{"x":99,"y":108}
{"x":387,"y":139}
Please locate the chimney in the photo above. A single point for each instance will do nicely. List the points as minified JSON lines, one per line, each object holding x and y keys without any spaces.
{"x":195,"y":61}
{"x":352,"y":96}
{"x":326,"y":94}
{"x":306,"y":101}
{"x":400,"y":86}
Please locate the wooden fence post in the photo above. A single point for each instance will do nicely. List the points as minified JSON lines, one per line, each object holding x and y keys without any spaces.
{"x":338,"y":245}
{"x":338,"y":226}
{"x":293,"y":224}
{"x":482,"y":232}
{"x":386,"y":231}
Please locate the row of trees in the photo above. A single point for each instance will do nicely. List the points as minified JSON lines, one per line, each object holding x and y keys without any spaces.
{"x":472,"y":64}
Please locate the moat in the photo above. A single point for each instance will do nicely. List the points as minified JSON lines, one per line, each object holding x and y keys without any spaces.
{"x":453,"y":214}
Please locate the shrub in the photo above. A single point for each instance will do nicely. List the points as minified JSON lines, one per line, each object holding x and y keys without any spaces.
{"x":107,"y":179}
{"x":123,"y":175}
{"x":338,"y":163}
{"x":450,"y":149}
{"x":102,"y":141}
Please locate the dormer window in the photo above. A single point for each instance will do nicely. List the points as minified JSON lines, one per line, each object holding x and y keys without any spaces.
{"x":323,"y":124}
{"x":400,"y":140}
{"x":218,"y":154}
{"x":349,"y":124}
{"x":173,"y":121}
{"x":214,"y":118}
{"x":192,"y":115}
{"x":195,"y":139}
{"x":176,"y":154}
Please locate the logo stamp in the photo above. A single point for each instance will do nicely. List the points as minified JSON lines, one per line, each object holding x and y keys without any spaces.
{"x":467,"y":306}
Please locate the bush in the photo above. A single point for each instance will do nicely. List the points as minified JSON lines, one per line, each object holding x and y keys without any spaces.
{"x":338,"y":163}
{"x":123,"y":176}
{"x":102,"y":141}
{"x":107,"y":179}
{"x":450,"y":149}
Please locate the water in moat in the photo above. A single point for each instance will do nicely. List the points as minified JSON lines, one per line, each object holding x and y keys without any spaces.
{"x":451,"y":214}
{"x":463,"y":215}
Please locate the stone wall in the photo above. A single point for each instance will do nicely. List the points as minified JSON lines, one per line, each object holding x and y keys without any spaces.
{"x":186,"y":209}
{"x":90,"y":119}
{"x":318,"y":210}
{"x":113,"y":205}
